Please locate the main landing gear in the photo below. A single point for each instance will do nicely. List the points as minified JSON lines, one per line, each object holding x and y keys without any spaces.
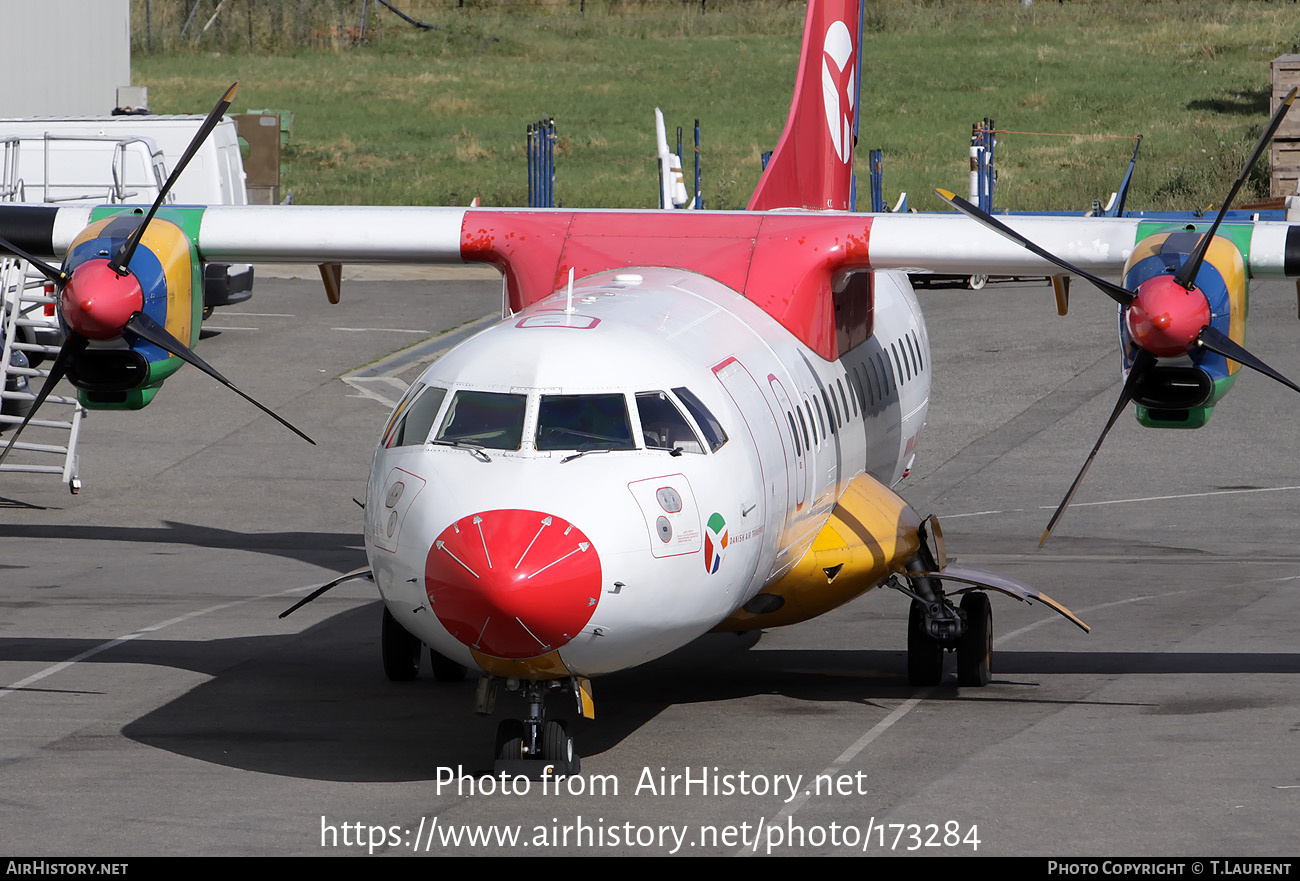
{"x":967,"y":630}
{"x":401,"y":651}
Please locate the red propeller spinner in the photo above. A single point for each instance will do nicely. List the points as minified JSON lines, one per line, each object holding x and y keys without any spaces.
{"x":97,"y":302}
{"x":1166,"y":318}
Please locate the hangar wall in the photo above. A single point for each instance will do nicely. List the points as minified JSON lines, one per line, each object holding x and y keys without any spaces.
{"x":64,"y":57}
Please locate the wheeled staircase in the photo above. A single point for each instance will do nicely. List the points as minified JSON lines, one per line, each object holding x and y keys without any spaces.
{"x":49,"y":443}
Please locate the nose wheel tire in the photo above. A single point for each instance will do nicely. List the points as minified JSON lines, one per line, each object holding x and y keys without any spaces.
{"x":924,"y":652}
{"x":510,"y":740}
{"x":400,"y":650}
{"x":975,"y":646}
{"x":557,"y":746}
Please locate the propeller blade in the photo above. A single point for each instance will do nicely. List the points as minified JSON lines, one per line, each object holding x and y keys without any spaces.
{"x":1144,"y":362}
{"x":1221,"y":343}
{"x":123,"y":257}
{"x":151,"y":331}
{"x":74,"y":345}
{"x":58,"y":276}
{"x":1120,"y":295}
{"x":1187,"y":272}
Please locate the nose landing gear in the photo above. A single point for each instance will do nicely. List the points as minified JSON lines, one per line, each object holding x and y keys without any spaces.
{"x":535,"y":746}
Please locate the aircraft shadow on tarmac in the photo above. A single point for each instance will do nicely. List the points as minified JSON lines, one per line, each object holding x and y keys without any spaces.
{"x":332,"y":550}
{"x":316,"y":704}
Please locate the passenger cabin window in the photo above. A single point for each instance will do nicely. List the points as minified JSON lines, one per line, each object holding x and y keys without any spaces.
{"x":803,"y":423}
{"x":413,"y":418}
{"x":493,"y":420}
{"x":663,"y":427}
{"x":584,"y":422}
{"x":712,"y":429}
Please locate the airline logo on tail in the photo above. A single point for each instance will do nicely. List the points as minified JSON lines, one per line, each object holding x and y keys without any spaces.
{"x":839,"y":88}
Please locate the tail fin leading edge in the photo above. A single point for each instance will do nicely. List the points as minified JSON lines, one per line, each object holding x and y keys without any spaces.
{"x":812,"y":166}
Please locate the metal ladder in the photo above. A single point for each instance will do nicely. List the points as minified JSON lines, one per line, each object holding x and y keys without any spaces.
{"x":20,"y":295}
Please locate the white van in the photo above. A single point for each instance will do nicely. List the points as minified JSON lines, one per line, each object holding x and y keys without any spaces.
{"x":81,"y":169}
{"x":215,"y":176}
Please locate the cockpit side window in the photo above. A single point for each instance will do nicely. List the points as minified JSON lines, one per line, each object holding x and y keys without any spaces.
{"x":494,"y":420}
{"x":413,"y":418}
{"x":703,"y":418}
{"x":663,"y":426}
{"x":584,"y":422}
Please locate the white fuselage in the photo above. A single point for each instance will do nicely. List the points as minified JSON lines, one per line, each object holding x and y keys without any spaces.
{"x":649,"y":542}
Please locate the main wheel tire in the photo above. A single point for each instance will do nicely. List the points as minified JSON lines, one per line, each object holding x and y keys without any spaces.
{"x":975,"y":647}
{"x":400,"y":650}
{"x":445,"y":669}
{"x":924,"y":652}
{"x":510,"y":739}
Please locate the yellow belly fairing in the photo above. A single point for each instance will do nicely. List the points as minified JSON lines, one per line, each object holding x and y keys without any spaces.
{"x":870,"y":535}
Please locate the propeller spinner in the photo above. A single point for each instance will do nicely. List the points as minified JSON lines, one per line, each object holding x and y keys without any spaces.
{"x":1166,"y":316}
{"x":102,"y":299}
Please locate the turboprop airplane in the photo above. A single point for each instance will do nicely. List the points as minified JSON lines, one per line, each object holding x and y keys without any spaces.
{"x":690,"y":421}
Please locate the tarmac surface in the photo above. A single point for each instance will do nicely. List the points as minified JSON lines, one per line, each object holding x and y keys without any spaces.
{"x":152,"y":703}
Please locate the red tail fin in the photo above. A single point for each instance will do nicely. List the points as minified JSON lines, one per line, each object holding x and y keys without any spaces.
{"x":812,"y":166}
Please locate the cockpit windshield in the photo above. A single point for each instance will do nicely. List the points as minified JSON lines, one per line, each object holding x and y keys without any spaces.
{"x":703,"y":418}
{"x":413,"y":417}
{"x":584,"y":422}
{"x":494,"y":420}
{"x":663,"y":426}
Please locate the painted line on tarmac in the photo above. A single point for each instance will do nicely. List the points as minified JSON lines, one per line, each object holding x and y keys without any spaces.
{"x":912,"y":703}
{"x":22,"y":684}
{"x":387,"y":370}
{"x":382,"y":330}
{"x":1200,"y":495}
{"x":427,"y":350}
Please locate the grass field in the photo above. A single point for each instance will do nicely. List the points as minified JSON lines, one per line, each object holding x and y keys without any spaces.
{"x":438,"y":117}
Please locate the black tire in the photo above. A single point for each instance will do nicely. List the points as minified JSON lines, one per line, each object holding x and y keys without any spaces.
{"x":445,"y":669}
{"x":510,"y":739}
{"x":975,"y":647}
{"x":924,"y":652}
{"x":400,"y":650}
{"x":557,"y":746}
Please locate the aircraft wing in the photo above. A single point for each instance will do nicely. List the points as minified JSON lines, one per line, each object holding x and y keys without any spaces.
{"x":941,"y":243}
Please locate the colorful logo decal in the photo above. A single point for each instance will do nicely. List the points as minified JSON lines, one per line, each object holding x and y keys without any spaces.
{"x":715,"y":543}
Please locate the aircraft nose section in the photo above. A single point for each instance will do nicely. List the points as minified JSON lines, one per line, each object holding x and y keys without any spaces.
{"x":513,"y":583}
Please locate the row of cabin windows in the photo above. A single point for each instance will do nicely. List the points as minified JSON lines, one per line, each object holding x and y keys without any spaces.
{"x":869,"y":383}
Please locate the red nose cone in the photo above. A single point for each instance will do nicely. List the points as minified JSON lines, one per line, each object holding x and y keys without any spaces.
{"x":1166,"y":318}
{"x":512,"y":583}
{"x":97,"y":302}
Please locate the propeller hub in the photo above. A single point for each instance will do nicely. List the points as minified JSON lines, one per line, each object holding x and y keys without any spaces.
{"x":96,"y":302}
{"x":1165,"y":318}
